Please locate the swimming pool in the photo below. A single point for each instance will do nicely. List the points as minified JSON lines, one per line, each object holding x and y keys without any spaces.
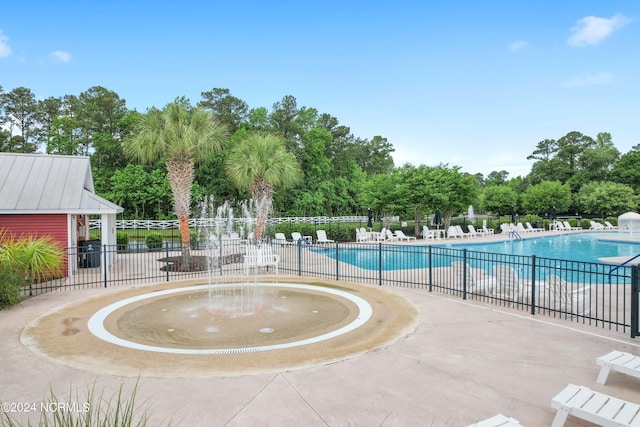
{"x":582,"y":247}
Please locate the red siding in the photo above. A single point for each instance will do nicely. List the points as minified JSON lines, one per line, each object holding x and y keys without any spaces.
{"x":53,"y":225}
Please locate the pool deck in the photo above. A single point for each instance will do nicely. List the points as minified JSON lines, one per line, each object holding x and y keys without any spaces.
{"x":463,"y":362}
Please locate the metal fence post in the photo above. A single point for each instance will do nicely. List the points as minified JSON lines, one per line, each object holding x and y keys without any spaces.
{"x":464,"y":274}
{"x":166,"y":257}
{"x":533,"y":285}
{"x":104,"y":264}
{"x":430,"y":268}
{"x":379,"y":264}
{"x":299,"y":258}
{"x":337,"y":263}
{"x":635,"y":296}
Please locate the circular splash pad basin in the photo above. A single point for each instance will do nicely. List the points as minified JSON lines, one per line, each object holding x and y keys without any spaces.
{"x":187,"y":328}
{"x":226,"y":318}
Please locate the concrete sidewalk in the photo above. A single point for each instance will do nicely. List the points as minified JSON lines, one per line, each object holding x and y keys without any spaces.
{"x":463,"y":362}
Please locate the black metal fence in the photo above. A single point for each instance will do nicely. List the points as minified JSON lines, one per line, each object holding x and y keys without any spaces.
{"x":595,"y":294}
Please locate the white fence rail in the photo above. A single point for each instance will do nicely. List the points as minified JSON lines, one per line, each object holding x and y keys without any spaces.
{"x":222,"y":222}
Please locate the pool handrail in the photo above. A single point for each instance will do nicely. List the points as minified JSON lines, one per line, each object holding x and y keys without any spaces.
{"x":614,"y":268}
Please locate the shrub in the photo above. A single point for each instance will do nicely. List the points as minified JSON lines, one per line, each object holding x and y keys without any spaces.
{"x":9,"y":287}
{"x":122,"y":240}
{"x":154,"y":241}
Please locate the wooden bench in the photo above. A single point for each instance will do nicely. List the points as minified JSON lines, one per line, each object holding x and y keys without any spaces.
{"x":260,"y":256}
{"x":497,"y":421}
{"x":619,"y":361}
{"x":595,"y":407}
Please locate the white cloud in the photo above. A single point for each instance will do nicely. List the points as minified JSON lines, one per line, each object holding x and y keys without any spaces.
{"x":590,"y":79}
{"x":591,"y":30}
{"x":61,"y":55}
{"x":5,"y":50}
{"x":518,"y":45}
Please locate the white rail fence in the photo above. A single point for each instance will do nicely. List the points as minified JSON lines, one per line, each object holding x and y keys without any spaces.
{"x":222,"y":222}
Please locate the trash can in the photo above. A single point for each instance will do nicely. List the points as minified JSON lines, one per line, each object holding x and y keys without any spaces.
{"x":89,"y":252}
{"x":537,"y":224}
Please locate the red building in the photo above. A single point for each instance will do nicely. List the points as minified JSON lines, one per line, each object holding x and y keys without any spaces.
{"x":45,"y":195}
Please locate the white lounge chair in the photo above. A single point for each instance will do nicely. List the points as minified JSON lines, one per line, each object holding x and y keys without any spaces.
{"x":428,"y":234}
{"x":390,"y":236}
{"x":298,"y":239}
{"x":462,"y":233}
{"x":610,"y":226}
{"x":322,"y":237}
{"x":572,"y":299}
{"x":362,"y":235}
{"x":280,"y":239}
{"x":598,"y":408}
{"x":570,"y":227}
{"x":520,"y":229}
{"x":497,"y":421}
{"x":533,"y":229}
{"x":557,"y":225}
{"x":508,"y":285}
{"x":488,"y":231}
{"x":473,"y":232}
{"x":399,"y":234}
{"x":382,"y":236}
{"x":625,"y":363}
{"x":596,"y":226}
{"x":483,"y":286}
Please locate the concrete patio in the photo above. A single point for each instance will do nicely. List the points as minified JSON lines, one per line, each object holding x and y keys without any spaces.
{"x":463,"y":362}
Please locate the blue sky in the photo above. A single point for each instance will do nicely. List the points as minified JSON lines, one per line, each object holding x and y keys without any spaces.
{"x":475,"y":84}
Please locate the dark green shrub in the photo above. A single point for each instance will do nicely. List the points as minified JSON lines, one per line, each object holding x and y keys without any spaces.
{"x":154,"y":241}
{"x":122,"y":240}
{"x":585,"y":223}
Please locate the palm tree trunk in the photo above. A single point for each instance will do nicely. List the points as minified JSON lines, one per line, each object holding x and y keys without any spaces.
{"x":180,"y":175}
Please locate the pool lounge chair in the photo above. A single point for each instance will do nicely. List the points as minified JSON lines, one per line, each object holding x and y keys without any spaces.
{"x":390,"y":236}
{"x":595,"y":407}
{"x":596,"y":226}
{"x":618,"y":361}
{"x":570,"y":227}
{"x":399,"y":234}
{"x":610,"y":226}
{"x":280,"y":239}
{"x":488,"y":231}
{"x":362,"y":235}
{"x":298,"y":239}
{"x":428,"y":234}
{"x":483,"y":286}
{"x":322,"y":237}
{"x":473,"y":232}
{"x":382,"y":236}
{"x":508,"y":286}
{"x":497,"y":421}
{"x":533,"y":229}
{"x":567,"y":298}
{"x":462,"y":233}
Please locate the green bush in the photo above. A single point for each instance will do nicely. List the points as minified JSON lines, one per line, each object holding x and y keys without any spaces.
{"x":154,"y":241}
{"x":9,"y":287}
{"x":122,"y":240}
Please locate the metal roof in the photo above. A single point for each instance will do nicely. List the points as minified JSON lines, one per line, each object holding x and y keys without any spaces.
{"x":41,"y":183}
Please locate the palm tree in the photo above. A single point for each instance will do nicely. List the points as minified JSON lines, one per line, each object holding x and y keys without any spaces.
{"x":258,"y":164}
{"x":180,"y":136}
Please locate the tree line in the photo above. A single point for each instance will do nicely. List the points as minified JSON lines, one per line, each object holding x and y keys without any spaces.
{"x":343,"y":174}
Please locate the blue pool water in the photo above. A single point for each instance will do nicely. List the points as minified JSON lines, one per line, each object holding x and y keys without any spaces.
{"x":584,"y":247}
